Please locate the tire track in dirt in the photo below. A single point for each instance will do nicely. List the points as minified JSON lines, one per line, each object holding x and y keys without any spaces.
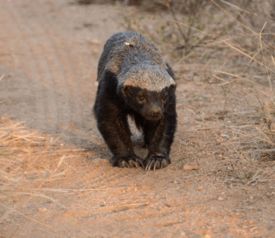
{"x":17,"y":50}
{"x":58,"y":48}
{"x":54,"y":67}
{"x":29,"y":72}
{"x":72,"y":91}
{"x":56,"y":83}
{"x":31,"y":66}
{"x":39,"y":72}
{"x":42,"y":50}
{"x":43,"y":67}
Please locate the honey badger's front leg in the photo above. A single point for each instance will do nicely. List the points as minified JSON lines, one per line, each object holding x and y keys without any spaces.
{"x":158,"y":138}
{"x":112,"y":124}
{"x":116,"y":133}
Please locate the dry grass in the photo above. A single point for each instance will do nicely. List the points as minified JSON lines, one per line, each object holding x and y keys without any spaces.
{"x":29,"y":160}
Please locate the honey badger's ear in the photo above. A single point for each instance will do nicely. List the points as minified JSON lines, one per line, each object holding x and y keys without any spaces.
{"x":173,"y":86}
{"x":125,"y":90}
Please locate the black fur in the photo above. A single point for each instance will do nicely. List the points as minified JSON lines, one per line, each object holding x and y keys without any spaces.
{"x":154,"y":112}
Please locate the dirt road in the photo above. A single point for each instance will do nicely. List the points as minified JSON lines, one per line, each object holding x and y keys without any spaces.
{"x":48,"y":57}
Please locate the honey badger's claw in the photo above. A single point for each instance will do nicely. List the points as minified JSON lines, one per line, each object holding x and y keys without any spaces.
{"x":164,"y":163}
{"x":157,"y":165}
{"x":127,"y":162}
{"x":154,"y":162}
{"x":123,"y":164}
{"x":134,"y":164}
{"x":149,"y":165}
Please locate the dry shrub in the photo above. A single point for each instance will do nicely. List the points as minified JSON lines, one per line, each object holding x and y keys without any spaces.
{"x":88,"y":2}
{"x":154,"y":5}
{"x":148,"y":5}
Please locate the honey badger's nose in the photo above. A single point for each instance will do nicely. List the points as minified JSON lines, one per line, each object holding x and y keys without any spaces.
{"x":155,"y":112}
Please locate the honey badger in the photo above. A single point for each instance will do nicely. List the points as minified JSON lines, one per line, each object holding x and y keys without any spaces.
{"x":134,"y":80}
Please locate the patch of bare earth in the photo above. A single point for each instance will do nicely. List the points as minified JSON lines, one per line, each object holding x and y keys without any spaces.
{"x":55,"y":178}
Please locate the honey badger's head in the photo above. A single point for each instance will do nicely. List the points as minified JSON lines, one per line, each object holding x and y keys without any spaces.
{"x":149,"y":104}
{"x":146,"y":89}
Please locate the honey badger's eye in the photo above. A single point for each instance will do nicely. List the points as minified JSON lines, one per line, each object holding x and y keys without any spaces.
{"x":141,"y":99}
{"x":127,"y":91}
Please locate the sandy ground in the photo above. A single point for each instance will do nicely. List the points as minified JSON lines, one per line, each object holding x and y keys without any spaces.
{"x":48,"y":56}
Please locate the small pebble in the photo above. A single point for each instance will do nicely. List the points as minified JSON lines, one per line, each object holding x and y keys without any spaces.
{"x":191,"y":166}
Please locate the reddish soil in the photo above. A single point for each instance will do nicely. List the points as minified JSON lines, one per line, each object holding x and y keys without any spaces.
{"x":48,"y":57}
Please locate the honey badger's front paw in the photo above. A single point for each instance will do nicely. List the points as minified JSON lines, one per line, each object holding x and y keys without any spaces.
{"x":156,"y":161}
{"x":131,"y":161}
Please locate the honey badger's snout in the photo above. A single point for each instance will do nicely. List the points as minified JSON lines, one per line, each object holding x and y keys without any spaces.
{"x":153,"y":112}
{"x":153,"y":109}
{"x":156,"y":112}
